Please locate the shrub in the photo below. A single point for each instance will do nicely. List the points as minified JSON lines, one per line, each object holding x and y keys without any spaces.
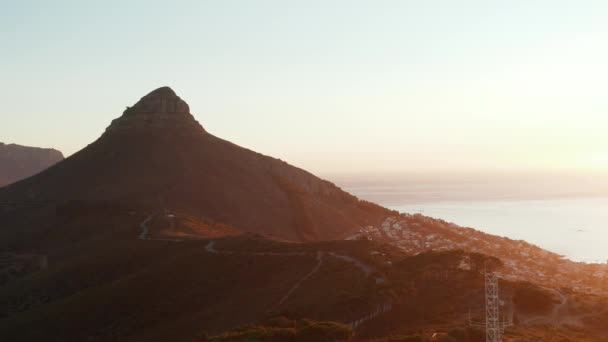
{"x":324,"y":332}
{"x":307,"y":331}
{"x":529,"y":298}
{"x":410,"y":338}
{"x":447,"y":338}
{"x":256,"y":334}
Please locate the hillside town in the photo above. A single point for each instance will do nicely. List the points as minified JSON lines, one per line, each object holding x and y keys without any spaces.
{"x":522,"y":261}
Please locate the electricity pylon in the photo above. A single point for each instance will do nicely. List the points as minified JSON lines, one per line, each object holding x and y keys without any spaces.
{"x":494,"y":327}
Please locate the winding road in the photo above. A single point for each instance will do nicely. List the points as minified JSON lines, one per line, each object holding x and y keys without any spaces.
{"x":145,"y":231}
{"x":320,"y":255}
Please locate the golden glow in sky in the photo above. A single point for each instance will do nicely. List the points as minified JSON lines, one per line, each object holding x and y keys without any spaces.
{"x":331,"y":86}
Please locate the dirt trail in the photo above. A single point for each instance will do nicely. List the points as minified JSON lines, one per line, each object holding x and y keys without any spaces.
{"x":380,"y":309}
{"x":556,"y":317}
{"x":210,"y":247}
{"x":367,"y":269}
{"x":145,"y":230}
{"x":308,"y":275}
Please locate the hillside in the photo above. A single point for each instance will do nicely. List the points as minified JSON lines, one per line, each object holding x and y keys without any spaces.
{"x":95,"y":269}
{"x":522,"y":261}
{"x":113,"y":285}
{"x":18,"y":162}
{"x":156,"y":290}
{"x":157,"y":156}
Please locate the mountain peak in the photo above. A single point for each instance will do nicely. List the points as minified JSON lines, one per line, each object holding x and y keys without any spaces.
{"x":162,"y":91}
{"x":159,"y":109}
{"x":161,"y":100}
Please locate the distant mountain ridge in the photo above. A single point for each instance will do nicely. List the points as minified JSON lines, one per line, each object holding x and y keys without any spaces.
{"x":156,"y":155}
{"x":18,"y":162}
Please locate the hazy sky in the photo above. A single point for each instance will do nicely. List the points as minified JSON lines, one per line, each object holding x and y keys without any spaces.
{"x":330,"y":86}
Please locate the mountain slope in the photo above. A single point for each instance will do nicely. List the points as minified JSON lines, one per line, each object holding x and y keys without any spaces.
{"x":18,"y":162}
{"x":158,"y":157}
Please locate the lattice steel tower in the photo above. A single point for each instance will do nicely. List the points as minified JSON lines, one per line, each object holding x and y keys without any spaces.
{"x":493,"y":326}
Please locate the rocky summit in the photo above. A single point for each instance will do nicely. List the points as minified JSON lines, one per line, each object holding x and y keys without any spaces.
{"x":160,"y":109}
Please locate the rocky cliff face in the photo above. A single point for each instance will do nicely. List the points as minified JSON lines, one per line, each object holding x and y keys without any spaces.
{"x":18,"y":162}
{"x":161,"y":109}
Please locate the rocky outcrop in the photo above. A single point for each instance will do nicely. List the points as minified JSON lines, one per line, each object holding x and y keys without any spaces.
{"x":161,"y":109}
{"x":18,"y":162}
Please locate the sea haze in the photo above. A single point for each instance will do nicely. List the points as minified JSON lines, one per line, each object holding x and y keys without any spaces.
{"x":564,"y":213}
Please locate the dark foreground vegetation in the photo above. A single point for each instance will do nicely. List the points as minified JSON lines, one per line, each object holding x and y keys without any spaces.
{"x":281,"y":329}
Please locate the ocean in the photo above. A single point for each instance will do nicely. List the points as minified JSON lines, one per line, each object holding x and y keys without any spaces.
{"x":566,"y":215}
